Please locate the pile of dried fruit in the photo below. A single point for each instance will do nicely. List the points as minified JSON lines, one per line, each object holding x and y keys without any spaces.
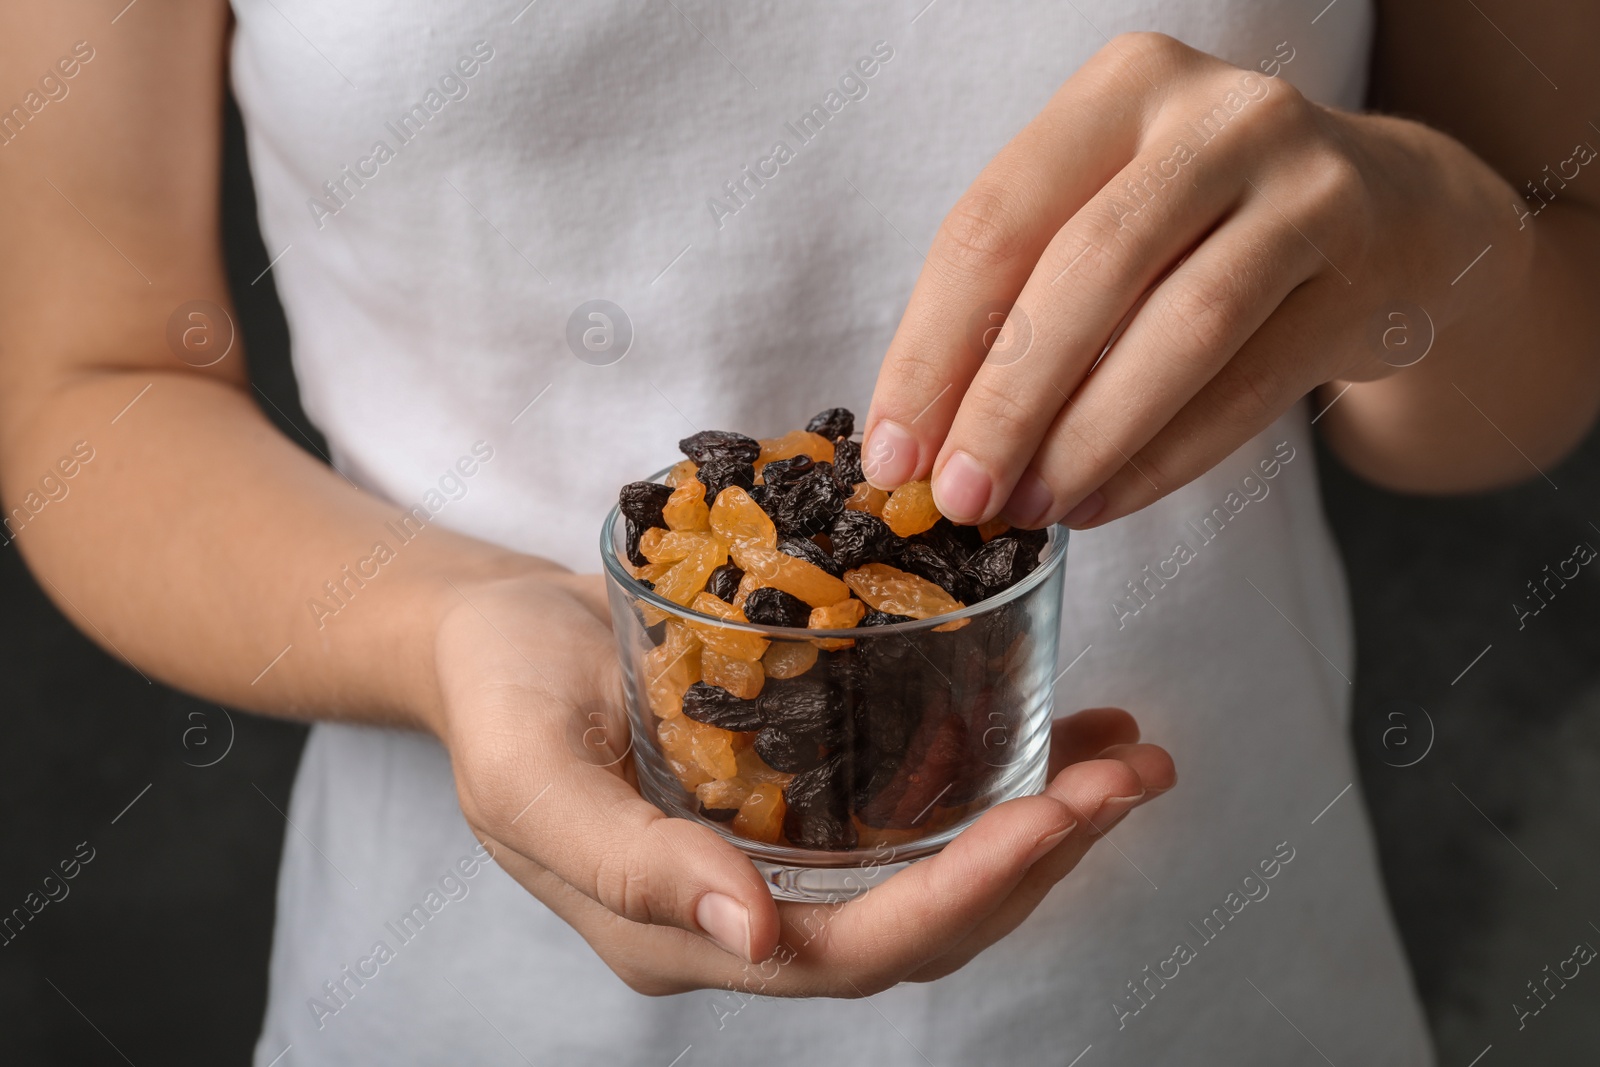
{"x":825,"y":742}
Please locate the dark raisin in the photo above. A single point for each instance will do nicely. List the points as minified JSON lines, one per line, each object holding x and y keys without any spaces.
{"x":810,"y":504}
{"x":632,"y":532}
{"x":647,"y":584}
{"x":847,"y":464}
{"x":720,"y":444}
{"x":860,"y":538}
{"x":874,"y":617}
{"x":884,"y":724}
{"x":642,"y":502}
{"x":931,"y":768}
{"x":785,"y":471}
{"x":774,"y":607}
{"x":946,"y":538}
{"x":1033,"y":539}
{"x":926,"y":563}
{"x":808,"y":550}
{"x":719,"y":814}
{"x":803,"y":705}
{"x":717,"y":474}
{"x":998,"y":565}
{"x":767,"y":497}
{"x":784,"y":750}
{"x":717,"y":707}
{"x":724,"y":582}
{"x":817,"y":807}
{"x":833,"y":423}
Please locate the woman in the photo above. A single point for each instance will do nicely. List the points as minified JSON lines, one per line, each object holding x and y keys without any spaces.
{"x":445,"y":189}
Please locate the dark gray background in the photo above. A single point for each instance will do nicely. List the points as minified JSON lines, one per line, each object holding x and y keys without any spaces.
{"x":163,"y":939}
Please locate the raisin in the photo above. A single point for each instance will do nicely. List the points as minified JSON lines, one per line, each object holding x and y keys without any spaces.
{"x":723,"y":581}
{"x":642,"y":502}
{"x":841,"y":616}
{"x":930,"y":769}
{"x":773,"y":607}
{"x":833,"y":423}
{"x":992,"y":529}
{"x":873,"y":617}
{"x":785,"y":750}
{"x":741,"y":677}
{"x":900,"y":592}
{"x":633,"y":532}
{"x":687,"y":578}
{"x":884,"y":726}
{"x":910,"y":509}
{"x":795,"y":443}
{"x":806,"y":549}
{"x":767,"y":497}
{"x":954,"y":543}
{"x":786,"y":471}
{"x":810,"y":504}
{"x":720,"y":799}
{"x":847,"y":463}
{"x":1034,"y":539}
{"x":718,"y":707}
{"x":925,"y":562}
{"x":860,"y":538}
{"x":717,"y":474}
{"x":803,"y":706}
{"x":735,"y":517}
{"x":686,"y":508}
{"x":998,"y":565}
{"x":760,"y":817}
{"x":720,"y":444}
{"x":817,"y":807}
{"x":789,"y":659}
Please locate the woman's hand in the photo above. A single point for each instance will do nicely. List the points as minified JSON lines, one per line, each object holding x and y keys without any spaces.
{"x":1295,"y":230}
{"x":533,"y":717}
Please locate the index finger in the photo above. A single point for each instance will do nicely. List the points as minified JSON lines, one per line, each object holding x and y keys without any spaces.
{"x":984,"y":252}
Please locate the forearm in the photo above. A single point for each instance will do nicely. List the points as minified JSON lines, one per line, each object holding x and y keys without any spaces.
{"x":197,"y":542}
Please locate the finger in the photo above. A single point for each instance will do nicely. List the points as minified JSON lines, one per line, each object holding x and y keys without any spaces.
{"x":1267,"y":377}
{"x":983,"y":253}
{"x":1047,"y":869}
{"x":1193,"y":323}
{"x":1087,"y":733}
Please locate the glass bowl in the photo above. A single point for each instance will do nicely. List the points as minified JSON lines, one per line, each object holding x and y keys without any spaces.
{"x":890,"y":740}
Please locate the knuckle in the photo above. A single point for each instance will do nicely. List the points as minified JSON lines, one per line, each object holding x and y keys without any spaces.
{"x":1197,"y":315}
{"x":1001,"y":414}
{"x":622,"y":885}
{"x":982,"y":231}
{"x":1148,"y":45}
{"x":1251,"y":397}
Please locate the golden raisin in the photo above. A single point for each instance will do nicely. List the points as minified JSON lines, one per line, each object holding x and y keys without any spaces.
{"x":741,"y":677}
{"x":687,"y":578}
{"x":993,"y":528}
{"x":670,"y":669}
{"x":736,"y":644}
{"x":760,"y":817}
{"x":868,"y":498}
{"x":652,"y":572}
{"x":897,"y":592}
{"x":910,"y":509}
{"x":686,"y":508}
{"x":712,"y":748}
{"x":677,"y":745}
{"x":753,"y":768}
{"x":737,"y":519}
{"x":723,"y":793}
{"x":794,"y":576}
{"x":795,"y":443}
{"x":681,"y":472}
{"x":789,"y":659}
{"x":841,"y":616}
{"x":670,"y":546}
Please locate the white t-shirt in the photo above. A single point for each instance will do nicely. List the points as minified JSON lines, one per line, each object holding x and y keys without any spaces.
{"x":446,"y":182}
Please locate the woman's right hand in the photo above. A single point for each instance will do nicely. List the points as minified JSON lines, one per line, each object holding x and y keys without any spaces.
{"x":535,"y":724}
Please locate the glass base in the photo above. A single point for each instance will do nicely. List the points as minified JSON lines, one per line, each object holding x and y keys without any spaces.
{"x":825,"y":885}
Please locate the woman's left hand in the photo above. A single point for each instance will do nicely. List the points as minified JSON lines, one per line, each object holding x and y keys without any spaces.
{"x":1296,"y":231}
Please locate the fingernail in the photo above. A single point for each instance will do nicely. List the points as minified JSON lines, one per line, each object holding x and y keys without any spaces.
{"x":726,"y":922}
{"x":1087,"y":508}
{"x":1030,"y":501}
{"x":962,"y":488}
{"x":1047,"y":843}
{"x":1112,"y":811}
{"x":889,"y":455}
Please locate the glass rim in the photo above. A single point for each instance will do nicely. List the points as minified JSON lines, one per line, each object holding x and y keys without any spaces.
{"x":1055,"y":550}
